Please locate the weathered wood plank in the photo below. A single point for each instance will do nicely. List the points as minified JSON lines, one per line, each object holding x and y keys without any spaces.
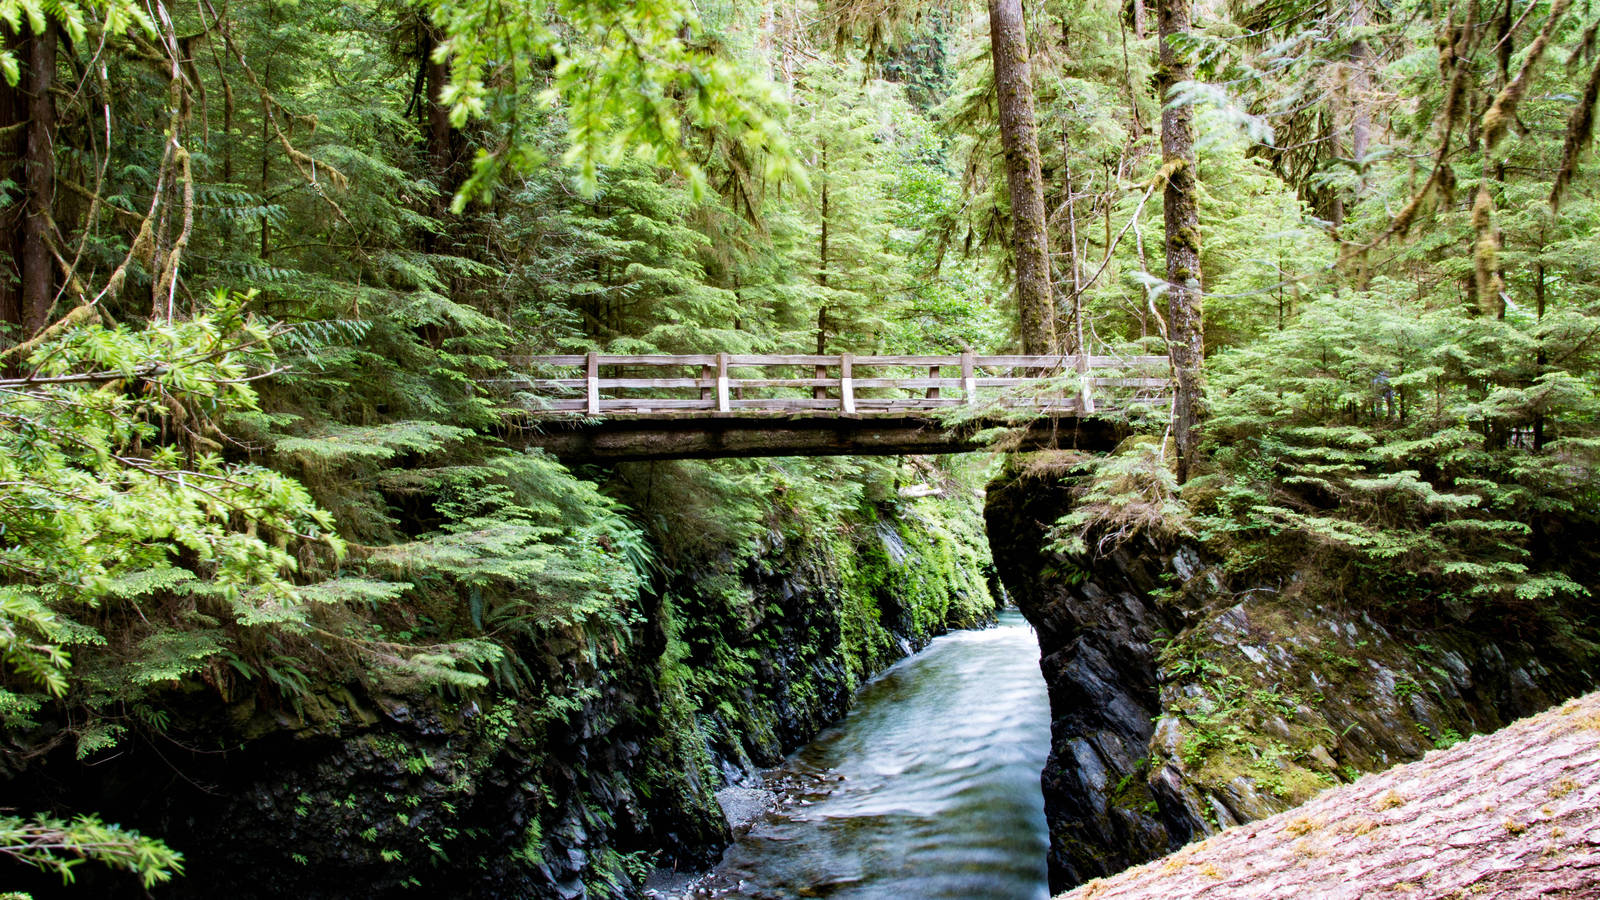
{"x":608,"y":384}
{"x":593,"y":383}
{"x":906,"y":402}
{"x":811,"y":359}
{"x":1132,"y":382}
{"x":847,"y":394}
{"x":1014,"y":380}
{"x":908,"y":383}
{"x":722,"y":382}
{"x":1003,"y":380}
{"x":698,"y":359}
{"x":820,"y":381}
{"x":778,"y":404}
{"x":781,"y":359}
{"x":918,"y":361}
{"x":1070,"y":361}
{"x":647,"y":404}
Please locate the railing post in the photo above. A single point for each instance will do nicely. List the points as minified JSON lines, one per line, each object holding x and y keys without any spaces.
{"x":722,"y":383}
{"x":847,"y":390}
{"x":933,"y":392}
{"x":1085,"y":398}
{"x":705,"y":383}
{"x":969,"y":383}
{"x":818,"y":392}
{"x":592,"y":378}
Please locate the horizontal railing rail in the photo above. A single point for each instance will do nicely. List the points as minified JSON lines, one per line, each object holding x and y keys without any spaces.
{"x":720,"y":383}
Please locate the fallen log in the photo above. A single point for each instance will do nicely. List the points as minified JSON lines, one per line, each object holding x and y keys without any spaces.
{"x":1507,"y":815}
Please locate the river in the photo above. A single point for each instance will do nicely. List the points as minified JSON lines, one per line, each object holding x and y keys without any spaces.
{"x":929,"y":788}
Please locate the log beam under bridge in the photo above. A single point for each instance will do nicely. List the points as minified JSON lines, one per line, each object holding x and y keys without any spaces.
{"x":616,"y":439}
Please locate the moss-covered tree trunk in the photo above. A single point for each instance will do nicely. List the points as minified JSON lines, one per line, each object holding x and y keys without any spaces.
{"x":1019,"y":137}
{"x":1180,"y":203}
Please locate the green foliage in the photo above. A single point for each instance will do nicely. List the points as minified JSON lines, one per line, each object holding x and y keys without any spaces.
{"x":107,"y":17}
{"x":1386,"y":441}
{"x":60,"y":846}
{"x":633,"y":79}
{"x":1130,"y":492}
{"x":91,"y":519}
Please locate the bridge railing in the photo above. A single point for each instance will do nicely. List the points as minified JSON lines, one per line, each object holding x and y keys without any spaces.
{"x":730,"y":383}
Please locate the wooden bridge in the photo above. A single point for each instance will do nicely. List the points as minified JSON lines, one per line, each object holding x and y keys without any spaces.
{"x":605,"y":408}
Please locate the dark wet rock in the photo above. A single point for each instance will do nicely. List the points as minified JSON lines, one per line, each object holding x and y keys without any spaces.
{"x":1099,"y":665}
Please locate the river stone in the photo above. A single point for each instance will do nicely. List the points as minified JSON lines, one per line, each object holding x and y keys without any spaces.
{"x":742,"y":806}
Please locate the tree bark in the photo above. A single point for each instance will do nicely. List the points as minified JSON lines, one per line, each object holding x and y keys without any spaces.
{"x":1180,"y":204}
{"x":440,"y":137}
{"x":1360,"y":84}
{"x":822,"y":262}
{"x":28,"y":289}
{"x":13,"y":119}
{"x":1019,"y":137}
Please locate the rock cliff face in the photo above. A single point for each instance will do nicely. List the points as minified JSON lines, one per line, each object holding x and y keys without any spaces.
{"x":1182,"y":704}
{"x":1099,"y":661}
{"x":596,"y":759}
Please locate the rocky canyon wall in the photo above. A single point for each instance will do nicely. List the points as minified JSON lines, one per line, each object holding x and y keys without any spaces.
{"x":1182,"y":703}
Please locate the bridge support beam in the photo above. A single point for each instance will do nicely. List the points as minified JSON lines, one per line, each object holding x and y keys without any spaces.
{"x":643,"y":439}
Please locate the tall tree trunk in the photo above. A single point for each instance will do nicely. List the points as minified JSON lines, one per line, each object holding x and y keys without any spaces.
{"x":1180,"y":204}
{"x":28,"y":287}
{"x":266,"y":161}
{"x":822,"y":258}
{"x":1540,"y":358}
{"x":1019,"y":137}
{"x":1359,"y":88}
{"x":438,"y":134}
{"x":1360,"y":84}
{"x":13,"y":132}
{"x":38,"y":266}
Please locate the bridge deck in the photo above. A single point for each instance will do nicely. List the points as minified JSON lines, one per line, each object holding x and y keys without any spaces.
{"x":714,"y":405}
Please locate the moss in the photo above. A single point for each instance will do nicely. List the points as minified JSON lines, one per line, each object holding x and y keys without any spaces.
{"x":1187,"y":237}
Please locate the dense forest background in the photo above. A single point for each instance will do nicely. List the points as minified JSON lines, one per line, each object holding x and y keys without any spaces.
{"x":274,"y":269}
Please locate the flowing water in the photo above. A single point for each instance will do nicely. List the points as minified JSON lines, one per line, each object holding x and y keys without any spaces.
{"x":928,"y":789}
